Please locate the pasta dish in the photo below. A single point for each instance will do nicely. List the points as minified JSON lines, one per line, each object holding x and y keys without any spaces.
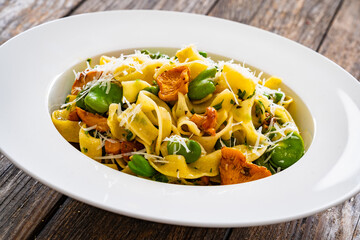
{"x":183,"y":119}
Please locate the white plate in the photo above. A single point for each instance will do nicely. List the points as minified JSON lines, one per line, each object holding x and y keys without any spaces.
{"x":327,"y":175}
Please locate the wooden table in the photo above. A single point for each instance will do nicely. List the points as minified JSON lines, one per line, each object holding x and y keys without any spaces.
{"x":28,"y":209}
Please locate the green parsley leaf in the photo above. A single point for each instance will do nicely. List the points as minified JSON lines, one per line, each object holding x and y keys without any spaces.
{"x":204,"y":54}
{"x":218,"y":106}
{"x":241,"y":94}
{"x":250,"y":96}
{"x":277,"y":97}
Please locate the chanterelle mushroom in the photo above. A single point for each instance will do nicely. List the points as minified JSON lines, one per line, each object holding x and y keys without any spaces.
{"x":235,"y":169}
{"x":83,"y":78}
{"x":206,"y":122}
{"x":173,"y":81}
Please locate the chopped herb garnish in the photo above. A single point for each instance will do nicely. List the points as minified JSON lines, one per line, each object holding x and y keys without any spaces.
{"x":277,"y":97}
{"x":211,"y":170}
{"x":129,"y":135}
{"x":154,"y":55}
{"x":250,"y":96}
{"x":241,"y":94}
{"x":262,"y":105}
{"x":145,"y":51}
{"x":258,"y":110}
{"x":85,"y":150}
{"x":67,"y":100}
{"x":232,"y":101}
{"x":192,"y":111}
{"x":68,"y":107}
{"x":204,"y":54}
{"x":88,"y":60}
{"x":218,"y":106}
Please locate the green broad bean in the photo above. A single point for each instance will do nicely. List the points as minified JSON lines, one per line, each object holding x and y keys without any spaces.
{"x":287,"y":151}
{"x":153,"y":89}
{"x":80,"y":99}
{"x":140,"y":166}
{"x":159,"y":177}
{"x":202,"y":85}
{"x":176,"y":148}
{"x":207,"y":73}
{"x":98,"y":101}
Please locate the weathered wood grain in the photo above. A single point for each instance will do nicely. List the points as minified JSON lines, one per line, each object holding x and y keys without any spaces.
{"x":24,"y":202}
{"x":342,"y":42}
{"x":77,"y":220}
{"x":304,"y":21}
{"x":335,"y":223}
{"x":200,"y":7}
{"x":18,"y":16}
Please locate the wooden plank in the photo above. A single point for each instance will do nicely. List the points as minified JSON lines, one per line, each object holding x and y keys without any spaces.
{"x":304,"y":21}
{"x":24,"y":202}
{"x":342,"y":44}
{"x":335,"y":223}
{"x":200,"y":7}
{"x":76,"y":220}
{"x":18,"y":16}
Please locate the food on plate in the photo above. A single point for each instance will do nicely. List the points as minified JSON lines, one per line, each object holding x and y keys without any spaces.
{"x":183,"y":119}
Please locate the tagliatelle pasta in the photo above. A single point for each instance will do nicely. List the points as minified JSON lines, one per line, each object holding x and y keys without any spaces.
{"x":182,"y":119}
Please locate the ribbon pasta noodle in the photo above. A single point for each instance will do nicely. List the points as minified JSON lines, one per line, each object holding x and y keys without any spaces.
{"x":183,"y":119}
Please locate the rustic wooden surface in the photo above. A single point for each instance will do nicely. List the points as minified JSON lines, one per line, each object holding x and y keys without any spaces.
{"x":30,"y":210}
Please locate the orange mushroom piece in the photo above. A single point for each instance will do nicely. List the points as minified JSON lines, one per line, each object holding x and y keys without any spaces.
{"x":173,"y":81}
{"x":112,"y":146}
{"x":206,"y":122}
{"x":83,"y":78}
{"x":91,"y":119}
{"x":73,"y":116}
{"x":132,"y":146}
{"x":235,"y":169}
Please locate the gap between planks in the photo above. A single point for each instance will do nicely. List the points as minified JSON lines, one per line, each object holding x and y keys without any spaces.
{"x":329,"y":26}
